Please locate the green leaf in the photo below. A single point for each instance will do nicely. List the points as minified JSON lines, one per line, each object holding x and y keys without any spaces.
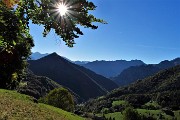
{"x":14,"y":43}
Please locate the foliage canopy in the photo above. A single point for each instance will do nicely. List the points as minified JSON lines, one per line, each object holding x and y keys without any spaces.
{"x":46,"y":13}
{"x":61,"y":98}
{"x":15,"y":40}
{"x":15,"y":45}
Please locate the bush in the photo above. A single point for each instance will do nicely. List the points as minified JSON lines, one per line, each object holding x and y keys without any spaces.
{"x":131,"y":114}
{"x":61,"y":98}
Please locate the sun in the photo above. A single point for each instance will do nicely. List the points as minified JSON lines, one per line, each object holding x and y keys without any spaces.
{"x":62,"y":9}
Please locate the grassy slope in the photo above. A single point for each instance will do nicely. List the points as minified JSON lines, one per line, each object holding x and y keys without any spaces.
{"x":116,"y":115}
{"x":119,"y":102}
{"x":154,"y":113}
{"x":15,"y":106}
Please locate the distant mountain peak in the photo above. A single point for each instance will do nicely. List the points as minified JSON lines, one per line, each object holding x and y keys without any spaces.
{"x":178,"y":58}
{"x":176,"y":61}
{"x":54,"y":54}
{"x":37,"y":55}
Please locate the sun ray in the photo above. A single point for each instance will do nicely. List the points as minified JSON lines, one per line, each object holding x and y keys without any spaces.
{"x":66,"y":14}
{"x":62,"y":9}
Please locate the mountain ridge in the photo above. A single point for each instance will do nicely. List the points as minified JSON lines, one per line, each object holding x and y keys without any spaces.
{"x":82,"y":81}
{"x":111,"y":68}
{"x":37,"y":55}
{"x":105,"y":68}
{"x":134,"y":73}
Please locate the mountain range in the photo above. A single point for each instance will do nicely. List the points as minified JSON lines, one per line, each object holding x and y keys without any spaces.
{"x":80,"y":80}
{"x":111,"y":68}
{"x":123,"y":72}
{"x":134,"y":73}
{"x":105,"y":68}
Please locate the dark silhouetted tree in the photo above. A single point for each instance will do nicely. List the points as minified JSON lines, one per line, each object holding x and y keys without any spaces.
{"x":15,"y":45}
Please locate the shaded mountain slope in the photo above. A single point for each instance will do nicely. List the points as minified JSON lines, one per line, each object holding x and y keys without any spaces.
{"x":166,"y":80}
{"x":39,"y":86}
{"x":134,"y":73}
{"x":36,"y":86}
{"x":111,"y":68}
{"x":164,"y":88}
{"x":82,"y":81}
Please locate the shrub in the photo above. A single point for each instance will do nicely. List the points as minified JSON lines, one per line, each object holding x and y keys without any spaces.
{"x":61,"y":98}
{"x":130,"y":114}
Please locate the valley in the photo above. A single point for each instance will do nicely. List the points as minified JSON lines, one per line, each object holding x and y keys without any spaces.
{"x":156,"y":96}
{"x":89,"y":60}
{"x":152,"y":92}
{"x":149,"y":92}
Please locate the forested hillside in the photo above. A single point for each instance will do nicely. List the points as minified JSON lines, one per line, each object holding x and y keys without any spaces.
{"x":163,"y":88}
{"x":39,"y":86}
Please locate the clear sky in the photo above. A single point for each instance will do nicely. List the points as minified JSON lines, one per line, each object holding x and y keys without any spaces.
{"x":147,"y":30}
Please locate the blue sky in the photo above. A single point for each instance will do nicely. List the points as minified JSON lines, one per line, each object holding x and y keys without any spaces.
{"x":148,"y":30}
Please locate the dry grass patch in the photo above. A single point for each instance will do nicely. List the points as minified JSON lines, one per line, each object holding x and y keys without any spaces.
{"x":15,"y":106}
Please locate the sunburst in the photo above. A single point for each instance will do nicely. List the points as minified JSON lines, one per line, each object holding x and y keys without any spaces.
{"x":62,"y":9}
{"x":65,"y":16}
{"x":65,"y":12}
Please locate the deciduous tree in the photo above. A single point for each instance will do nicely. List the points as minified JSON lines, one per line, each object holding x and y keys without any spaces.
{"x":15,"y":45}
{"x":63,"y":16}
{"x":61,"y":98}
{"x":49,"y":14}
